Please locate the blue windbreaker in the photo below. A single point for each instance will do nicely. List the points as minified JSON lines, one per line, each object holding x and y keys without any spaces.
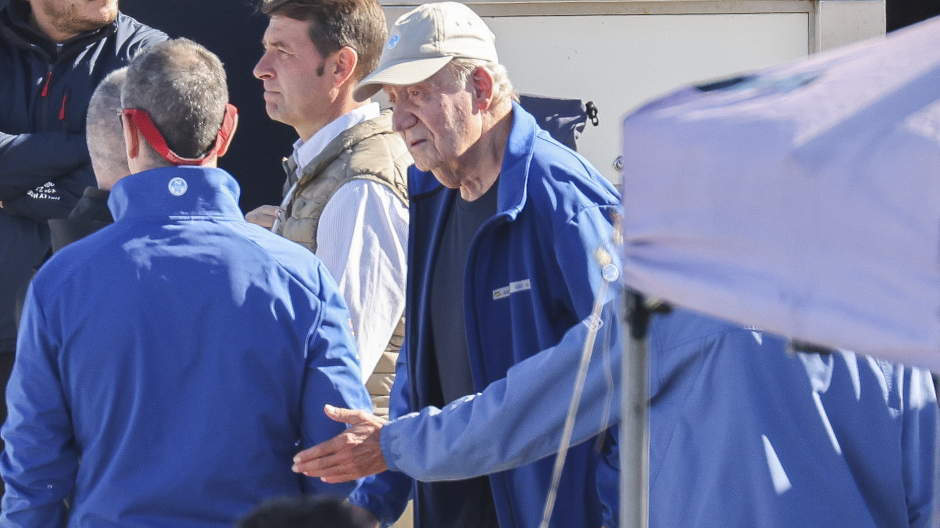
{"x":531,"y":275}
{"x":171,"y":364}
{"x":743,"y":432}
{"x":746,"y":431}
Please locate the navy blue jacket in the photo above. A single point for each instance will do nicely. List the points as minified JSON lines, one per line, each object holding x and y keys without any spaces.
{"x":530,"y":277}
{"x":44,"y":163}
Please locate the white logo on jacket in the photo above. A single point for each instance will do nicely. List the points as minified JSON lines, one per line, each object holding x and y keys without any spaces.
{"x":514,"y":287}
{"x":178,"y":186}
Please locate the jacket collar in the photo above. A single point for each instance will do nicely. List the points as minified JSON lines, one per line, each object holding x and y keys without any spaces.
{"x":176,"y":193}
{"x":517,"y":159}
{"x":343,"y":142}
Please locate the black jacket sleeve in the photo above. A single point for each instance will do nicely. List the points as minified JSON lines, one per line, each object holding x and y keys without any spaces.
{"x":28,"y":161}
{"x":54,"y":199}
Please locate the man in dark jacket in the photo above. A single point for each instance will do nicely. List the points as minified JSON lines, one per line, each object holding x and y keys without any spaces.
{"x":53,"y":53}
{"x":106,"y":147}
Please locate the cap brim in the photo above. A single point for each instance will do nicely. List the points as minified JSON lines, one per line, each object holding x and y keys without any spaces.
{"x":399,"y":73}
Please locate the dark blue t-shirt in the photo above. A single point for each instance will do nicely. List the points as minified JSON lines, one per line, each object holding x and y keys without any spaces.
{"x":470,"y":502}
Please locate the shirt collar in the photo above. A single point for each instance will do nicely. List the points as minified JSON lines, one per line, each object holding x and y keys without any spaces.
{"x":306,"y":151}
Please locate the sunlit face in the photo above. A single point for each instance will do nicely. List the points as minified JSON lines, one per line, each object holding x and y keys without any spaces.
{"x":61,"y":20}
{"x":437,"y":120}
{"x":296,"y":91}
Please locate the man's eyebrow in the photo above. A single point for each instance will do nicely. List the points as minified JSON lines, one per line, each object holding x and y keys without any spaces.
{"x":272,"y":43}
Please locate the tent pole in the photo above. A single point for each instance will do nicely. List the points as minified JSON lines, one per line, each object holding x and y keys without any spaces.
{"x":634,"y":425}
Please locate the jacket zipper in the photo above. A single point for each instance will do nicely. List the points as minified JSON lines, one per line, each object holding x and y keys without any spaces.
{"x":62,"y":111}
{"x":45,"y":101}
{"x":45,"y":86}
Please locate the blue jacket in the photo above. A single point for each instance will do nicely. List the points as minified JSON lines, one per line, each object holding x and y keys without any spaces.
{"x":45,"y":97}
{"x":742,"y":433}
{"x":171,"y":364}
{"x":747,"y":432}
{"x":530,"y":276}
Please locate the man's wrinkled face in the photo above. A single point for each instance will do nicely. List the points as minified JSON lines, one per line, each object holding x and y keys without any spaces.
{"x":437,"y":120}
{"x":69,"y":18}
{"x":295,"y":87}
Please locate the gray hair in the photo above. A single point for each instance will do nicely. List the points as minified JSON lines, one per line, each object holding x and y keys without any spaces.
{"x":503,"y":91}
{"x":182,"y":86}
{"x":104,"y":133}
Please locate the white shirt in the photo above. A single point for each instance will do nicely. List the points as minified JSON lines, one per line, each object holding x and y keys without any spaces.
{"x":362,"y":239}
{"x":305,"y":151}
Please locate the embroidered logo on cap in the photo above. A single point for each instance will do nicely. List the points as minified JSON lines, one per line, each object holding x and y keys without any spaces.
{"x":392,"y":42}
{"x":178,"y":186}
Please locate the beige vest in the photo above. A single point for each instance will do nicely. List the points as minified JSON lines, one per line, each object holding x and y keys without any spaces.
{"x":371,"y":151}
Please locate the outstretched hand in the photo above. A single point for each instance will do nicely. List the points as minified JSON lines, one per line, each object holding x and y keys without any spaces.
{"x":352,"y":454}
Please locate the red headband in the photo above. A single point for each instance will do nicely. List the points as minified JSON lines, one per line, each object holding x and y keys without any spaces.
{"x":142,"y":121}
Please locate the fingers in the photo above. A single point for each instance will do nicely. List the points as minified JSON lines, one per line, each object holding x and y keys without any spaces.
{"x":354,"y":453}
{"x":335,"y":468}
{"x":347,"y":416}
{"x":333,"y":465}
{"x":367,"y":420}
{"x":321,"y":450}
{"x":263,"y":216}
{"x":330,"y":469}
{"x":327,"y":458}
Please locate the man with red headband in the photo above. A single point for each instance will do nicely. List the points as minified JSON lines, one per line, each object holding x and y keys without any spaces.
{"x":181,"y":338}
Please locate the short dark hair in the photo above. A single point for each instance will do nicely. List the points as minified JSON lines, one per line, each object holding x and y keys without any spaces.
{"x":182,"y":86}
{"x":300,"y":512}
{"x":334,"y":24}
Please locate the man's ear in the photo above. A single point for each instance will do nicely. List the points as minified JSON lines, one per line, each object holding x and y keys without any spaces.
{"x":131,"y":137}
{"x":481,"y":81}
{"x":344,"y":62}
{"x":228,"y":140}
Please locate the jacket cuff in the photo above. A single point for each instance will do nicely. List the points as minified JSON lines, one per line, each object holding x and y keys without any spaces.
{"x":385,"y":496}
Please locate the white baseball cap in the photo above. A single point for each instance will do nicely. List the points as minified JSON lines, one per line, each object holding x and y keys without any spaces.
{"x":424,"y":40}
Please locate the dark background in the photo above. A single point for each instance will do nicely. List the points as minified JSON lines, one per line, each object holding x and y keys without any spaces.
{"x":902,"y":13}
{"x":233,"y":29}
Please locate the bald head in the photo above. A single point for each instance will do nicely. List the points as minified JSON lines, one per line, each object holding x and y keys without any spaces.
{"x":104,"y":134}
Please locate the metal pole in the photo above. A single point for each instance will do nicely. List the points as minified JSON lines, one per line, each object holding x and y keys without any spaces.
{"x":611,"y":274}
{"x":634,"y":425}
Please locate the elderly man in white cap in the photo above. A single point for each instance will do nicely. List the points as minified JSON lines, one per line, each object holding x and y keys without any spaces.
{"x":504,"y":225}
